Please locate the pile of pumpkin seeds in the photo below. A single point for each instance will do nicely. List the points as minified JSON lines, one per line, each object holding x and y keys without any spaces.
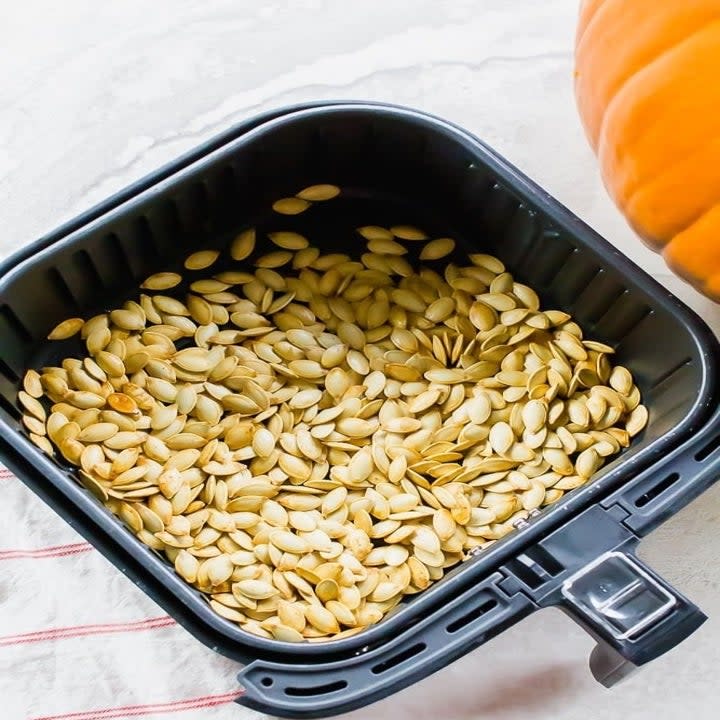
{"x":308,"y":437}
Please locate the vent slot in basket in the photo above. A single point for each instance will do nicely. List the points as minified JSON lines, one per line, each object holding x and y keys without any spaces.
{"x":657,"y":489}
{"x":194,"y":211}
{"x":708,"y":449}
{"x":398,"y":658}
{"x":325,"y":689}
{"x":15,"y":339}
{"x":474,"y":614}
{"x":573,"y":277}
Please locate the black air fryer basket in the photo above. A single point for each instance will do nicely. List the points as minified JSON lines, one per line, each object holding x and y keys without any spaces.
{"x":397,"y":165}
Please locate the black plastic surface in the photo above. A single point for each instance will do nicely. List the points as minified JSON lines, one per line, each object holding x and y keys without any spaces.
{"x":395,"y":165}
{"x":305,"y":691}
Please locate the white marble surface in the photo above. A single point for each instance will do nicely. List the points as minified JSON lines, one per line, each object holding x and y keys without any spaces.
{"x":94,"y":95}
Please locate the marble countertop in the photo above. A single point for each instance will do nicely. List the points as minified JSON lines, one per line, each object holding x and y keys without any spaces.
{"x":95,"y":95}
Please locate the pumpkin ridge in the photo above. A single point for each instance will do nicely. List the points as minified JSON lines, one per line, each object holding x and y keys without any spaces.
{"x":633,"y":122}
{"x":692,"y":257}
{"x":596,"y":84}
{"x":585,"y":19}
{"x":647,"y":67}
{"x":650,"y":61}
{"x":626,"y":204}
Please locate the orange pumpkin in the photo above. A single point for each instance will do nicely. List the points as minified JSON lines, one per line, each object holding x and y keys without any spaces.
{"x":647,"y":83}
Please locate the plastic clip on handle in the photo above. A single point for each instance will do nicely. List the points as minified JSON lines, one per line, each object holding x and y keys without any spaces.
{"x":434,"y":641}
{"x":634,"y":615}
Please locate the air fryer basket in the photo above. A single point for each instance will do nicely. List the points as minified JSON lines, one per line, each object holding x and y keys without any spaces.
{"x":396,"y":165}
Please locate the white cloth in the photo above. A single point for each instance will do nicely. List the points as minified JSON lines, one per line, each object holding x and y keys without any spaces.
{"x":78,"y":641}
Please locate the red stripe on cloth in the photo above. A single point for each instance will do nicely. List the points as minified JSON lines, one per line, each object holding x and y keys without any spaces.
{"x":63,"y":633}
{"x":5,"y":474}
{"x":52,"y":551}
{"x":206,"y":701}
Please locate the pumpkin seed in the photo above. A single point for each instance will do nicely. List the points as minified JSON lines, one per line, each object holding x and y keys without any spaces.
{"x":288,"y":240}
{"x":437,"y":249}
{"x":66,"y":329}
{"x":32,"y":384}
{"x":254,"y":589}
{"x":274,"y":259}
{"x":322,"y":619}
{"x":384,"y":246}
{"x":637,"y":420}
{"x":243,"y":245}
{"x":127,"y":319}
{"x":201,"y":259}
{"x":374,"y":232}
{"x":161,"y":281}
{"x":98,"y":432}
{"x":408,"y":232}
{"x":317,"y":193}
{"x":290,"y":206}
{"x":32,"y":405}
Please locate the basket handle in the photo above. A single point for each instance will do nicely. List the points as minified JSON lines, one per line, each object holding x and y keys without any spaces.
{"x":330,"y":688}
{"x":633,"y":614}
